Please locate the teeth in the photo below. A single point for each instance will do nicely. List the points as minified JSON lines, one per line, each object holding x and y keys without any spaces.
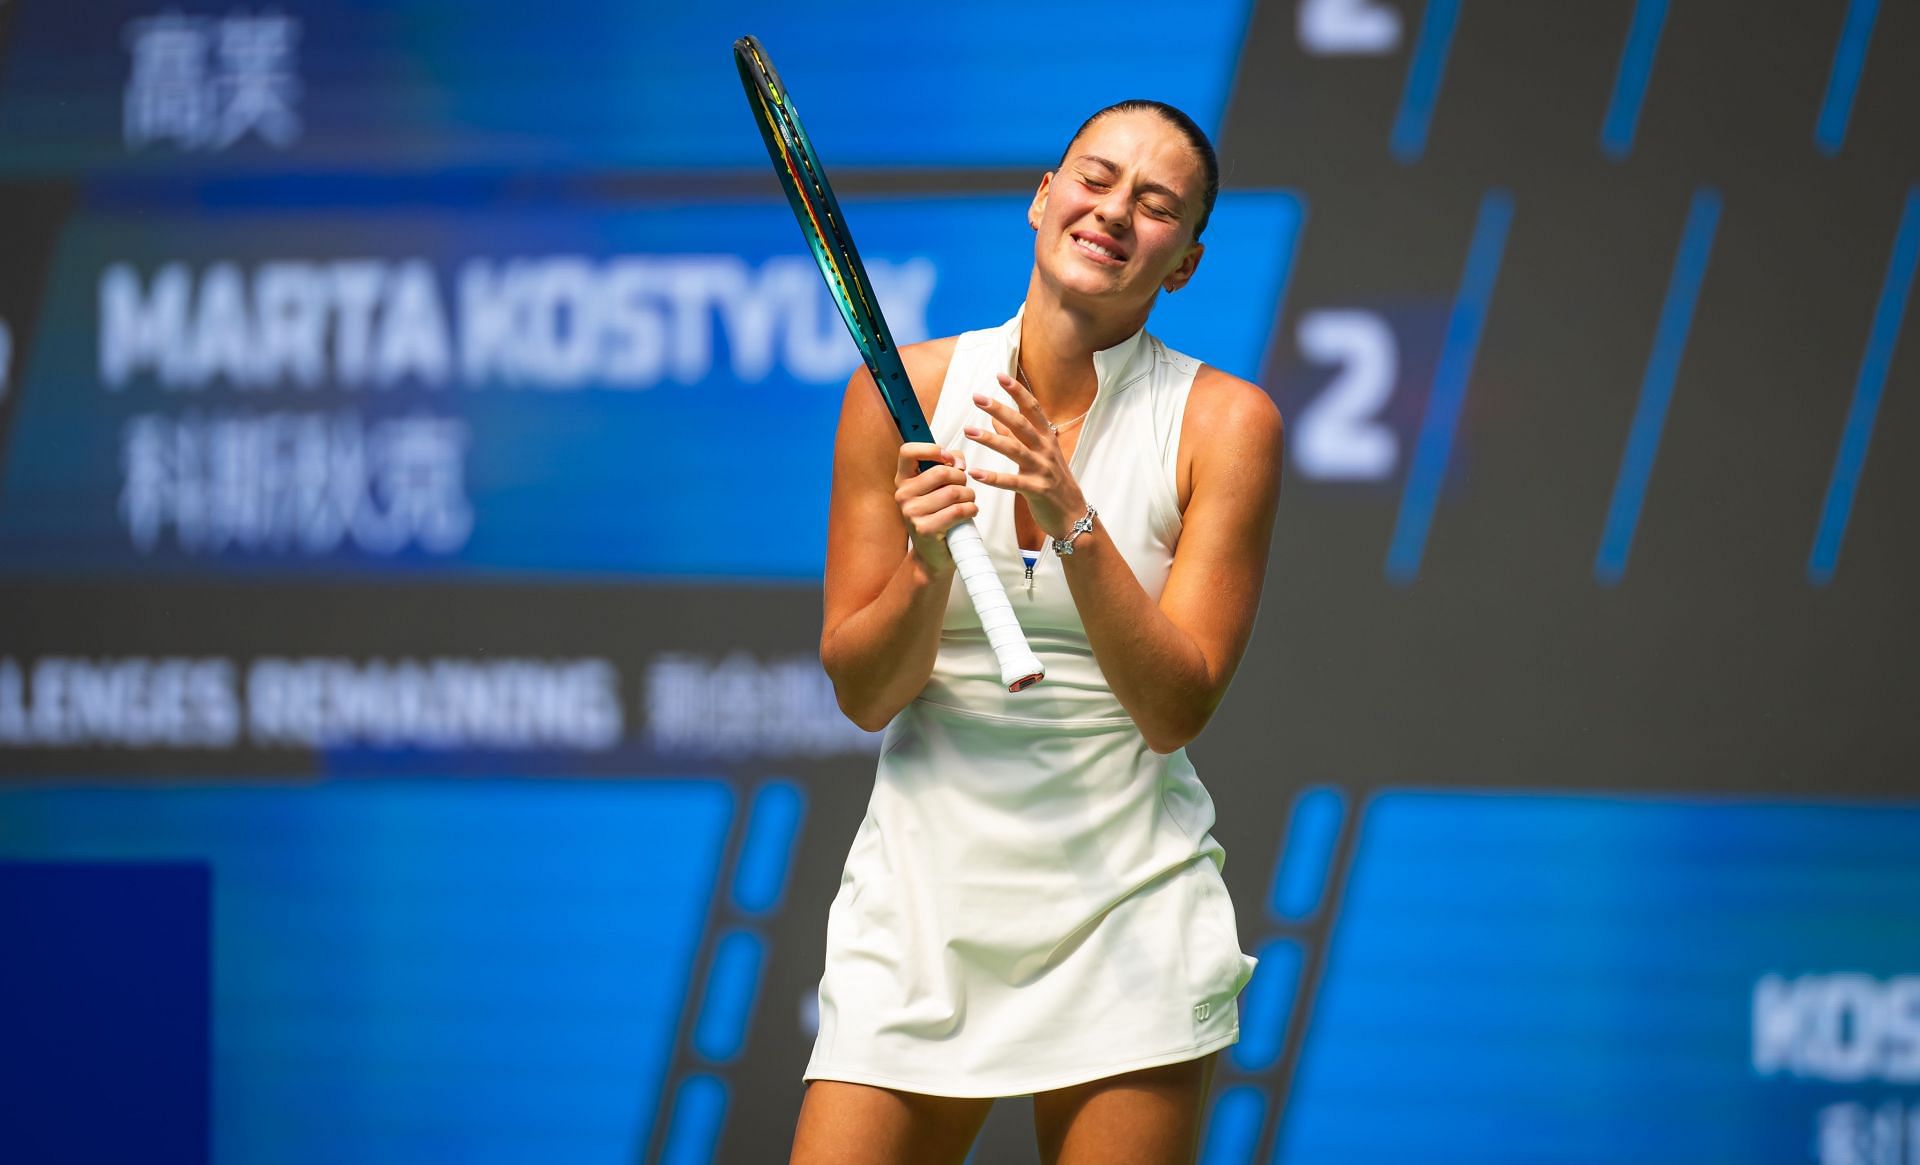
{"x":1097,"y":249}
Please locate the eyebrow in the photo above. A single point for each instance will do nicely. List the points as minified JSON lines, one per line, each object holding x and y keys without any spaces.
{"x":1156,"y":187}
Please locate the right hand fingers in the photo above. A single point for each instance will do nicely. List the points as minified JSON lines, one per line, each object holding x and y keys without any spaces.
{"x":932,"y":481}
{"x":930,"y":505}
{"x":932,"y":513}
{"x":934,"y":500}
{"x":911,"y":454}
{"x":931,"y":530}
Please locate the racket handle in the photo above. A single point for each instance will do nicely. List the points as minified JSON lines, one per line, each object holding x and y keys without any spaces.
{"x":1019,"y":666}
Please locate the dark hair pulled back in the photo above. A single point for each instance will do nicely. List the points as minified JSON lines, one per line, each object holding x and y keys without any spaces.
{"x":1189,"y":129}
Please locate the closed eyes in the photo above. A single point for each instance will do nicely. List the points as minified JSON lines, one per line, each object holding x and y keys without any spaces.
{"x":1157,"y":210}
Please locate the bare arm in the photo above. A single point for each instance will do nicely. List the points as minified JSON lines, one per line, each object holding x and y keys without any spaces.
{"x":888,"y":571}
{"x":1168,"y":663}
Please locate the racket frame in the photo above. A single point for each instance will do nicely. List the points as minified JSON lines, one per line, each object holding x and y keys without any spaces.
{"x":811,"y":196}
{"x":805,"y":182}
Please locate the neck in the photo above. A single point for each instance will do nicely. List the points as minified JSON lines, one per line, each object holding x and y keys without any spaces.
{"x":1057,"y":343}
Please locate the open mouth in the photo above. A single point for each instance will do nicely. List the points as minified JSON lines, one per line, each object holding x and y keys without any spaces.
{"x":1099,"y":247}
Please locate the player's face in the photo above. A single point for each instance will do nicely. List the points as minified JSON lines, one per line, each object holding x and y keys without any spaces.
{"x":1116,"y":220}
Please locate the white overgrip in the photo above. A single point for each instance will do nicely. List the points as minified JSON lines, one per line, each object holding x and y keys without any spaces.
{"x":1019,"y":666}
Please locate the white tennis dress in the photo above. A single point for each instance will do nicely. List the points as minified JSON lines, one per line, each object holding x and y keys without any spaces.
{"x":1034,"y":899}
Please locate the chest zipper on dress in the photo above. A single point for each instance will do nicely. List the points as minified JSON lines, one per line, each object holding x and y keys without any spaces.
{"x":1031,"y":558}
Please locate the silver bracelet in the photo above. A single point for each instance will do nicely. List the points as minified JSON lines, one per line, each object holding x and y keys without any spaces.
{"x":1064,"y":546}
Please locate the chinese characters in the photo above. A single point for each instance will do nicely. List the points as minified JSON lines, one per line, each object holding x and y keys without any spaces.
{"x":310,"y":483}
{"x":204,"y":83}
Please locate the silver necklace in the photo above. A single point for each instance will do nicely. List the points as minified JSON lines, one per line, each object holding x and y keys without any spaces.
{"x":1020,"y":367}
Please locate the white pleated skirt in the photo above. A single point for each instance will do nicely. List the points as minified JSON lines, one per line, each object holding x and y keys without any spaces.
{"x":1028,"y":905}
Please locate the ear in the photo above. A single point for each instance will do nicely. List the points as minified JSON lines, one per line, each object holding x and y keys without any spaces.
{"x":1038,"y":208}
{"x":1179,"y":276}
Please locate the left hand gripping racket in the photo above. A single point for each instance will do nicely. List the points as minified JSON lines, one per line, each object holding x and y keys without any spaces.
{"x":832,"y":244}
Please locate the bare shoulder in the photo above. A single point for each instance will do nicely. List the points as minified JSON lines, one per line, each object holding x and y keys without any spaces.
{"x":1232,"y":421}
{"x":927,"y":363}
{"x":1227,"y":421}
{"x":1221,"y":402}
{"x":865,"y":428}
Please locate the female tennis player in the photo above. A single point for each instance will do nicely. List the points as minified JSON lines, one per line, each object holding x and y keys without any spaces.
{"x":1033,"y":904}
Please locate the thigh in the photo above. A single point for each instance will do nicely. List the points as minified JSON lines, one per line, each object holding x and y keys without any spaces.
{"x":856,"y":1124}
{"x":1150,"y":1117}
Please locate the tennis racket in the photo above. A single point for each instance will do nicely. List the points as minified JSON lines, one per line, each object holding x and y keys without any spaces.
{"x":821,"y":222}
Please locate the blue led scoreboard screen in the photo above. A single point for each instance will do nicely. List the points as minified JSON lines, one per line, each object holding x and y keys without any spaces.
{"x":416,"y":428}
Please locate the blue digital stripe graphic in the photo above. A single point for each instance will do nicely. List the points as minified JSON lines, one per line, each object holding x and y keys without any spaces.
{"x":1656,"y":388}
{"x":732,"y":985}
{"x":1630,"y":83}
{"x":1849,"y":59}
{"x":1895,"y":291}
{"x":699,"y":1111}
{"x":524,"y":944}
{"x":767,"y":854}
{"x":1234,"y":1132}
{"x":1526,"y":977}
{"x":1435,"y":445}
{"x":1267,"y":1003}
{"x":1300,"y":875}
{"x":1417,"y":100}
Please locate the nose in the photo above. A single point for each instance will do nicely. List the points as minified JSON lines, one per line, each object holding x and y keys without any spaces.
{"x":1116,"y":208}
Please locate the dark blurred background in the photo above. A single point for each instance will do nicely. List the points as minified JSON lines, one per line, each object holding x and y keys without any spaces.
{"x":417,"y":422}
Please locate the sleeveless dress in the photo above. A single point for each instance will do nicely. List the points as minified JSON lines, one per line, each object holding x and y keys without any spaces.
{"x":1034,"y":899}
